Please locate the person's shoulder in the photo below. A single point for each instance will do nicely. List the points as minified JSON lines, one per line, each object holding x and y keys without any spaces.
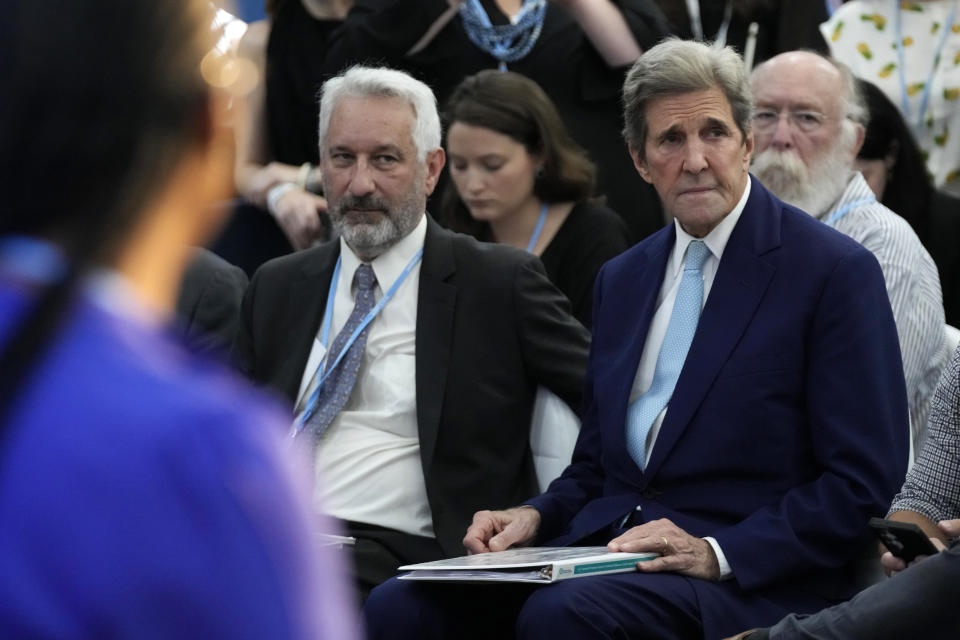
{"x":147,"y":447}
{"x":629,"y":257}
{"x":206,"y":268}
{"x":204,"y":392}
{"x":304,"y":262}
{"x":591,"y":234}
{"x":171,"y":388}
{"x":598,"y":217}
{"x":814,"y":252}
{"x":595,"y":209}
{"x":472,"y":253}
{"x":132,"y":385}
{"x":483,"y":270}
{"x":800,"y":242}
{"x":877,"y":225}
{"x":206,"y":260}
{"x":801,"y":230}
{"x":877,"y":214}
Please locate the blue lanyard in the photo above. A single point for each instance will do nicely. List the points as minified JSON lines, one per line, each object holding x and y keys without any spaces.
{"x":844,"y":210}
{"x":537,"y":229}
{"x":328,"y":320}
{"x":928,"y":85}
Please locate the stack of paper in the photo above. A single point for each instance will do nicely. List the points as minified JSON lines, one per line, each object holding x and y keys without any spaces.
{"x":528,"y":564}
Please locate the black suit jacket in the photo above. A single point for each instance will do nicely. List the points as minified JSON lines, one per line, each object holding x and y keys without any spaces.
{"x":208,"y":303}
{"x":490,"y":329}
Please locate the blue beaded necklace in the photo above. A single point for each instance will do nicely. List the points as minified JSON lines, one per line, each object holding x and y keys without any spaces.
{"x":505,"y":42}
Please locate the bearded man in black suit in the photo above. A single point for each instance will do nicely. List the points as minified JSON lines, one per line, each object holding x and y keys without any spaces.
{"x":421,"y":415}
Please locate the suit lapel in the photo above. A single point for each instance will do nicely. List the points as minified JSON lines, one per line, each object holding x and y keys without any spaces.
{"x":435,"y":308}
{"x":637,"y":305}
{"x":307,"y":298}
{"x":738,"y":287}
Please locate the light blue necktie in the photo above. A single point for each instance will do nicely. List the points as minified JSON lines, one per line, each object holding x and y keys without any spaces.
{"x":676,"y":343}
{"x":338,"y":385}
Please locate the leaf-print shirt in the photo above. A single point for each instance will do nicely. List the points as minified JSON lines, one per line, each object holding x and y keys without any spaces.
{"x":863,"y":34}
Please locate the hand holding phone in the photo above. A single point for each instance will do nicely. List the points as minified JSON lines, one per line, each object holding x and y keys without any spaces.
{"x":905,"y":540}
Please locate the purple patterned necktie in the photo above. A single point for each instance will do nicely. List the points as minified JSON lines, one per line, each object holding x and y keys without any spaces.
{"x":338,"y":385}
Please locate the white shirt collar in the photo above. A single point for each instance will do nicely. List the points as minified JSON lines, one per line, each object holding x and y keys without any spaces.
{"x":388,"y":266}
{"x":716,"y":240}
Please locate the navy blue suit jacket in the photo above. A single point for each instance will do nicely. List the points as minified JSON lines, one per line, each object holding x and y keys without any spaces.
{"x":788,"y":426}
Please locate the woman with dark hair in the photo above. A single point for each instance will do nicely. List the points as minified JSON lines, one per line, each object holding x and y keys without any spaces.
{"x":893,"y":166}
{"x":518,"y":178}
{"x":143,"y":492}
{"x":577,"y":51}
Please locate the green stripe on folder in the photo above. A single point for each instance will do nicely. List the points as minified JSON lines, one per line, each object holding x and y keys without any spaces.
{"x":608,"y":566}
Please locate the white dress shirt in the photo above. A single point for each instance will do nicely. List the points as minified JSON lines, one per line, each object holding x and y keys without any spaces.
{"x":716,"y":242}
{"x":369,"y":457}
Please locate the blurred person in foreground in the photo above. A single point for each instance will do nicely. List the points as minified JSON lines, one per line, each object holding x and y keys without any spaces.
{"x":745,"y":411}
{"x":518,"y":178}
{"x":809,"y":125}
{"x":919,"y":600}
{"x":893,"y":166}
{"x":143,"y":492}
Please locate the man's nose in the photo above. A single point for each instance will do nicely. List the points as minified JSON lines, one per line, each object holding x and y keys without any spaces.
{"x":782,"y":135}
{"x":695,"y":159}
{"x":362,"y":181}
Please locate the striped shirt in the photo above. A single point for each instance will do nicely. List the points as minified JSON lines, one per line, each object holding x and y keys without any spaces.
{"x":932,"y":487}
{"x":912,"y":285}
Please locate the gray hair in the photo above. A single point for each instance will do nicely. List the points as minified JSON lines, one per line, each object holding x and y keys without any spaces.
{"x":381,"y":82}
{"x":683,"y":66}
{"x":854,"y":102}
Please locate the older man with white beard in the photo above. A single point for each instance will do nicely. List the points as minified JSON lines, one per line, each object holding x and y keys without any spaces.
{"x":809,"y":125}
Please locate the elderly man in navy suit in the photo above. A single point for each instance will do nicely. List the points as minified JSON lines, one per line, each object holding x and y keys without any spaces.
{"x":745,"y":409}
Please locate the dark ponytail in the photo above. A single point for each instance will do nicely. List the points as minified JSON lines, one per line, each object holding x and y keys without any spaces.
{"x":100,"y":100}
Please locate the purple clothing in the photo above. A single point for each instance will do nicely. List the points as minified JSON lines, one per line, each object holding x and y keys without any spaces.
{"x":145,"y":493}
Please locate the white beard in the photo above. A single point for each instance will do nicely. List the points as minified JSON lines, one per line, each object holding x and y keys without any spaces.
{"x":812,"y":189}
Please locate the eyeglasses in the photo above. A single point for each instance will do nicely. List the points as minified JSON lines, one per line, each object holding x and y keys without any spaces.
{"x":766,"y":120}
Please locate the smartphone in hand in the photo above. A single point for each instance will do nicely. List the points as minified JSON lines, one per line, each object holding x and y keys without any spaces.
{"x":905,"y":540}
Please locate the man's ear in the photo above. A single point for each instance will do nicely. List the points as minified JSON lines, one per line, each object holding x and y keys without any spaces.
{"x":434,"y":165}
{"x":748,"y":145}
{"x":861,"y":136}
{"x":640,"y":164}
